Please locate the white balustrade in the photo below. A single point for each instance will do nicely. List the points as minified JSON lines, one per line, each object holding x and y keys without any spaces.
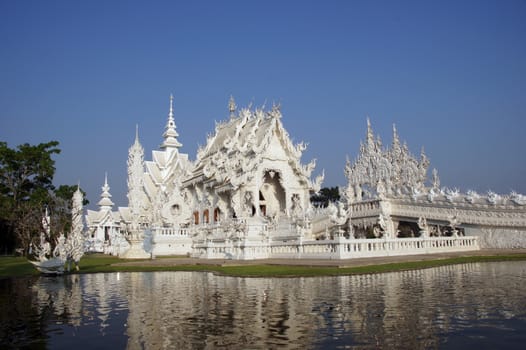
{"x":334,"y":249}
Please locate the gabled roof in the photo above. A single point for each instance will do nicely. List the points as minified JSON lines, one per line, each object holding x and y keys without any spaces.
{"x":233,"y":152}
{"x":94,"y":218}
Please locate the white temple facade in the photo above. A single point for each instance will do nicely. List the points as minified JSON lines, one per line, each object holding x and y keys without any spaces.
{"x":389,"y":195}
{"x":104,"y":227}
{"x":248,"y":187}
{"x":247,"y":196}
{"x":168,"y":213}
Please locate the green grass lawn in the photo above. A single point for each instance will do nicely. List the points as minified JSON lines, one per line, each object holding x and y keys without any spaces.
{"x":95,"y":263}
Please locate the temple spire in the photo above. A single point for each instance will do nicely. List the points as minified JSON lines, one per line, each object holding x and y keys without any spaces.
{"x":170,"y":134}
{"x":105,"y":202}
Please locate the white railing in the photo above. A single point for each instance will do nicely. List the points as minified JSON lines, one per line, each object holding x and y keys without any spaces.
{"x":340,"y":248}
{"x":360,"y":248}
{"x":170,"y":231}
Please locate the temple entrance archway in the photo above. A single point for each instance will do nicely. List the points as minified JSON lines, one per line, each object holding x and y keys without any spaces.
{"x":272,"y":194}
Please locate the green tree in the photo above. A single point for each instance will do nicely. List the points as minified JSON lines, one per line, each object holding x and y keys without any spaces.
{"x":26,"y":185}
{"x":325,"y":196}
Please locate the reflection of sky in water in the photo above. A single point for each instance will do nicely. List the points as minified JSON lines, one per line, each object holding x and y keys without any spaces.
{"x":452,"y":307}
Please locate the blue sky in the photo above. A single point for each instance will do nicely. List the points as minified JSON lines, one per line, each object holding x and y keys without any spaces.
{"x":450,"y":74}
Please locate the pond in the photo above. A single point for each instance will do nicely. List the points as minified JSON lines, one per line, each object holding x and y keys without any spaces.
{"x":480,"y":305}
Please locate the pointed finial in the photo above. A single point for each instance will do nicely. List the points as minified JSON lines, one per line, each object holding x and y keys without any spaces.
{"x":276,"y":110}
{"x":136,"y":132}
{"x":105,"y":202}
{"x":370,"y":135}
{"x":396,"y":139}
{"x":170,"y":134}
{"x":232,"y":106}
{"x":171,"y":113}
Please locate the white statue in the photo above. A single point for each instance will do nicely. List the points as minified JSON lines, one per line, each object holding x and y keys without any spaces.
{"x":493,"y":198}
{"x":248,"y":204}
{"x":296,"y":208}
{"x":518,"y":198}
{"x":422,"y":225}
{"x":75,"y":241}
{"x":472,"y":196}
{"x":453,"y":223}
{"x":67,"y":250}
{"x":435,"y":180}
{"x":337,"y":213}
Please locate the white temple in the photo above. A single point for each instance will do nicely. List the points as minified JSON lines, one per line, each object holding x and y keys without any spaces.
{"x":247,"y":196}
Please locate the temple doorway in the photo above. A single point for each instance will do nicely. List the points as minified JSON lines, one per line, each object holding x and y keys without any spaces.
{"x":272,"y":194}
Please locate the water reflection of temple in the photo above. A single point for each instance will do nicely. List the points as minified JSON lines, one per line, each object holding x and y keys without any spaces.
{"x":165,"y":310}
{"x":410,"y":309}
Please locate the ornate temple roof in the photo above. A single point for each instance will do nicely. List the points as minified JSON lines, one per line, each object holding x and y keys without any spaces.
{"x":388,"y":170}
{"x":238,"y":145}
{"x":168,"y":166}
{"x":105,"y":213}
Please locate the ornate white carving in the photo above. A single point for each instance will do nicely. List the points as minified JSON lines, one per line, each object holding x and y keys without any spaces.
{"x":517,"y":198}
{"x":452,"y":194}
{"x":492,"y":197}
{"x":396,"y":168}
{"x":472,"y":196}
{"x":75,"y":240}
{"x":424,"y":228}
{"x":405,"y":190}
{"x":135,"y":185}
{"x":67,"y":250}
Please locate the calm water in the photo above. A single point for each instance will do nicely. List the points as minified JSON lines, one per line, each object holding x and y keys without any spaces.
{"x":479,"y":306}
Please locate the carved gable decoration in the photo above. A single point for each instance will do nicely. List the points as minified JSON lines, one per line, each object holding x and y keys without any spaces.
{"x":238,"y":146}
